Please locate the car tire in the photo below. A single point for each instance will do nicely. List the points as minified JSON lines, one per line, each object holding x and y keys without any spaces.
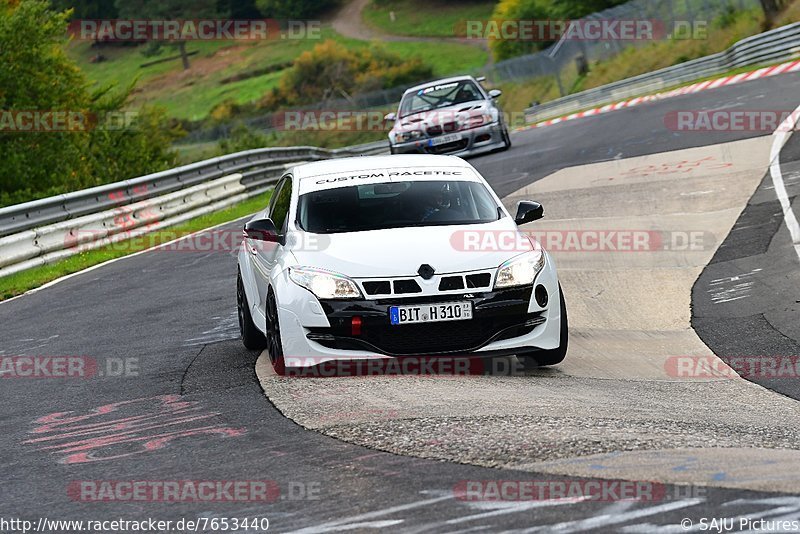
{"x":544,"y":358}
{"x":506,"y":139}
{"x":274,"y":343}
{"x":252,"y":338}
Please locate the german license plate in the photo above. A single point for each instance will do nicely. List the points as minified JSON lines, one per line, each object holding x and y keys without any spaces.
{"x":430,"y":313}
{"x":444,"y":139}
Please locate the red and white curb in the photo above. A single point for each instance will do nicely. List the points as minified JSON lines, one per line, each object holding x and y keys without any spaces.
{"x":791,"y":66}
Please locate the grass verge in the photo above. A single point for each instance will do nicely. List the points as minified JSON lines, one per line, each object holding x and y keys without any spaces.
{"x":425,"y":18}
{"x":236,"y":71}
{"x":17,"y":284}
{"x":722,"y":33}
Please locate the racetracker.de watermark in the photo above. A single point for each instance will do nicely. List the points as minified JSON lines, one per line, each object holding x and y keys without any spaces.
{"x":217,"y":491}
{"x":739,"y":120}
{"x":597,"y":240}
{"x":60,"y":121}
{"x":570,"y":490}
{"x":134,"y":238}
{"x":749,"y":367}
{"x":44,"y":367}
{"x":141,"y":30}
{"x":548,"y":30}
{"x":447,"y":121}
{"x":426,"y":366}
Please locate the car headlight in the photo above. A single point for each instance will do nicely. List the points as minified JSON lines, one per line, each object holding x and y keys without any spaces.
{"x":324,"y":284}
{"x":402,"y":137}
{"x":479,"y":120}
{"x":520,"y":271}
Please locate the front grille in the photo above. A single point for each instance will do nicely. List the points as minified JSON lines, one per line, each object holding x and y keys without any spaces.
{"x":451,"y":283}
{"x":449,"y":147}
{"x":380,"y":287}
{"x":478,"y":280}
{"x":439,"y":129}
{"x":429,"y":338}
{"x":406,"y":286}
{"x":450,"y":336}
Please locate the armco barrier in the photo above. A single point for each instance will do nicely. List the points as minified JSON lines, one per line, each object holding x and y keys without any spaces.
{"x":29,"y":215}
{"x":66,"y":238}
{"x":773,"y":46}
{"x":61,"y":226}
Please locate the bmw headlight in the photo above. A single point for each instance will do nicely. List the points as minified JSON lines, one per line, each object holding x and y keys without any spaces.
{"x":519,"y":271}
{"x":479,"y":120}
{"x":402,"y":137}
{"x":324,"y":284}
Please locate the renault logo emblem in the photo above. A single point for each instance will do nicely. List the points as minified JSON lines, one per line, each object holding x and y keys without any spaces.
{"x":426,"y":271}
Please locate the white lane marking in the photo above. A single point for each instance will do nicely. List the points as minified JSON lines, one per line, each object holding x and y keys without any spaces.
{"x":696,"y":193}
{"x":93,"y":267}
{"x":368,"y":524}
{"x":224,"y":329}
{"x":608,"y":519}
{"x":780,"y":137}
{"x":503,"y":508}
{"x":334,"y":525}
{"x":741,"y":290}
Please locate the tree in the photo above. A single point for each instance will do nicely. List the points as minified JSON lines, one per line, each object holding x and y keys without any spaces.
{"x":240,"y":9}
{"x":332,"y":71}
{"x":771,"y":10}
{"x":88,"y":9}
{"x":539,"y":10}
{"x":36,"y":75}
{"x":170,"y":10}
{"x":294,"y":9}
{"x":518,"y":10}
{"x":573,"y":9}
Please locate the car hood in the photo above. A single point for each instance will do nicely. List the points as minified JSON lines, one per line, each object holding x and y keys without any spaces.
{"x":459,"y":113}
{"x":401,"y":251}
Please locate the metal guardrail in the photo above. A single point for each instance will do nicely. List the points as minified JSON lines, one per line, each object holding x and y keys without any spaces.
{"x":773,"y":46}
{"x":43,"y":231}
{"x":29,"y":215}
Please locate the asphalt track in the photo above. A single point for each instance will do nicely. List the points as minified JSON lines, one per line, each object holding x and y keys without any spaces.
{"x":191,"y":407}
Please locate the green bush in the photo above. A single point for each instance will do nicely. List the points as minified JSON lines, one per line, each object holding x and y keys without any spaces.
{"x":36,"y":75}
{"x":331,"y":70}
{"x":294,"y":9}
{"x":539,"y":10}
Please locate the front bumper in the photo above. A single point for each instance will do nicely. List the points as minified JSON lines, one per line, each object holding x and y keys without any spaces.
{"x":505,"y":322}
{"x":473,"y":141}
{"x":497,"y":315}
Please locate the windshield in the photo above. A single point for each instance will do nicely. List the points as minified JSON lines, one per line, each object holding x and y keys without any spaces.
{"x":396,"y":205}
{"x":439,"y":96}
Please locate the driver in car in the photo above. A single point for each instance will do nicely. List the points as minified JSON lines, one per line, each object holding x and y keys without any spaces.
{"x":436,"y":202}
{"x":465,"y":94}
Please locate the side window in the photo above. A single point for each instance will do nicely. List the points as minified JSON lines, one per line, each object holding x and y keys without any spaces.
{"x":279,"y":209}
{"x":274,"y":196}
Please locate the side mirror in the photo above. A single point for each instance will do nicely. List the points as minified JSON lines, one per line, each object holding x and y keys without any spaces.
{"x":494,"y":93}
{"x":390,"y":117}
{"x":262,"y":230}
{"x":528,"y":211}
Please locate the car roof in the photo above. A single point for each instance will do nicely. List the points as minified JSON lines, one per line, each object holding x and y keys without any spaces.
{"x":441,"y":82}
{"x":366,"y":163}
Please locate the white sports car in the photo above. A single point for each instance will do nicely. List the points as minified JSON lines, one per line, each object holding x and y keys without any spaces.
{"x":393,"y":256}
